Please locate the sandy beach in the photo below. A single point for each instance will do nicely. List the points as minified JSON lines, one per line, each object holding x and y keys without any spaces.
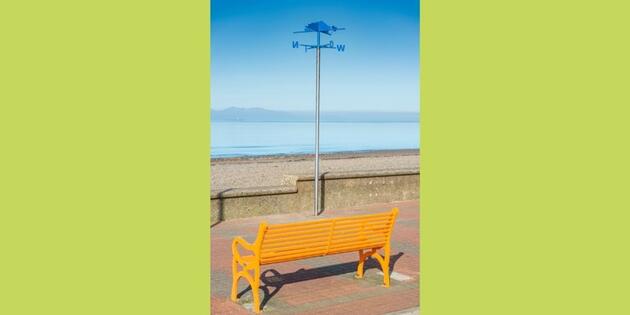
{"x":270,"y":170}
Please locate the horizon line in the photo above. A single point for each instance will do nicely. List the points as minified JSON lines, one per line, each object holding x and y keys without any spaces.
{"x":289,"y":110}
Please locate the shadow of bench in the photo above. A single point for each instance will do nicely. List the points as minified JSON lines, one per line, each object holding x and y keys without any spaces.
{"x":271,"y":278}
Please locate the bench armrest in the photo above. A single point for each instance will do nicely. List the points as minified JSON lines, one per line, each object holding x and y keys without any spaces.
{"x":243,"y":243}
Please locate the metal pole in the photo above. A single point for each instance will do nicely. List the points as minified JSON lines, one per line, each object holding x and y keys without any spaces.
{"x":316,"y":179}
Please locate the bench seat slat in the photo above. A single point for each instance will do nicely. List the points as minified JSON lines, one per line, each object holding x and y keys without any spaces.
{"x":279,"y":230}
{"x":305,"y":242}
{"x":343,"y":248}
{"x":356,"y":217}
{"x":353,"y":242}
{"x":294,"y":224}
{"x":275,"y":234}
{"x":353,"y":238}
{"x":355,"y":225}
{"x":366,"y":220}
{"x":363,"y":218}
{"x":298,"y":256}
{"x":284,"y":246}
{"x":285,"y":259}
{"x":271,"y":236}
{"x":310,"y":225}
{"x":295,"y":253}
{"x":340,"y":236}
{"x":320,"y":248}
{"x":359,"y":228}
{"x":358,"y":233}
{"x":272,"y":233}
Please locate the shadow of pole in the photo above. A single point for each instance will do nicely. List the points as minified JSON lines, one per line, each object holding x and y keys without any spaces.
{"x":322,"y":193}
{"x":221,"y":217}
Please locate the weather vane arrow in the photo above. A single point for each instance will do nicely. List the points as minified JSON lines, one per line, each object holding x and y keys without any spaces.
{"x":319,"y":28}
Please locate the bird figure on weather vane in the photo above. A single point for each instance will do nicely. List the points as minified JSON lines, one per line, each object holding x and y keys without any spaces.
{"x":320,"y":27}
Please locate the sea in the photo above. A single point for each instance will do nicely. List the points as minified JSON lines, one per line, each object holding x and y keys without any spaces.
{"x":240,"y":139}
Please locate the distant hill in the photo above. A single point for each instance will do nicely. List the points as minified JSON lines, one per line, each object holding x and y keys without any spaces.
{"x":257,"y":114}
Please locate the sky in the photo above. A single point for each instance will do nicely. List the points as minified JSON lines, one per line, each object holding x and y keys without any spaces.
{"x":253,"y":63}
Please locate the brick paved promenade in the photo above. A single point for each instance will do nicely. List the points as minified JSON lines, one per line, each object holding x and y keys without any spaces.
{"x":323,"y":284}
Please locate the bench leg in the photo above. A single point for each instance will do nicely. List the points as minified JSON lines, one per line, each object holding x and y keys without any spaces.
{"x":385,"y":267}
{"x":235,"y":277}
{"x":255,"y":287}
{"x":362,"y":258}
{"x":384,"y":262}
{"x":253,"y":282}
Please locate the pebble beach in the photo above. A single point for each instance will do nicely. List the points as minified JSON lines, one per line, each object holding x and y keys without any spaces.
{"x":246,"y":172}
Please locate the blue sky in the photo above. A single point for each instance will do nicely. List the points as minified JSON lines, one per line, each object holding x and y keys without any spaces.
{"x":254,"y":64}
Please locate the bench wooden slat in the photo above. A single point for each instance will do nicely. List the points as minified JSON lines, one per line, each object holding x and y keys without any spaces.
{"x":340,"y":227}
{"x":357,"y":240}
{"x":288,"y":235}
{"x":276,"y":260}
{"x":283,"y":246}
{"x":353,"y":249}
{"x":359,"y":233}
{"x":356,"y":217}
{"x":319,"y":251}
{"x":296,"y":253}
{"x":366,"y":220}
{"x":352,"y":238}
{"x":370,"y":219}
{"x":281,"y":230}
{"x":361,"y":227}
{"x":292,"y":227}
{"x":304,"y":240}
{"x":351,"y":246}
{"x":287,"y":225}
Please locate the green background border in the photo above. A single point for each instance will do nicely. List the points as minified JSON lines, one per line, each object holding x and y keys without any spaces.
{"x":525,"y":170}
{"x":105,"y":146}
{"x":104,"y":172}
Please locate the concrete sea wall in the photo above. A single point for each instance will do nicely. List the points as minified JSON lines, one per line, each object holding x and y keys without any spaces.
{"x":338,"y":190}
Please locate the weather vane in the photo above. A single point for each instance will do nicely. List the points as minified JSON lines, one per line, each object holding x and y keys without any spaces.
{"x":318,"y":27}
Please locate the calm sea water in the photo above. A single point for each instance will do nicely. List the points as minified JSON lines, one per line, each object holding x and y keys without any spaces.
{"x":231,"y":139}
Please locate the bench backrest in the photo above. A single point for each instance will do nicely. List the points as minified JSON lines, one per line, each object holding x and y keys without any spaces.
{"x":293,"y":241}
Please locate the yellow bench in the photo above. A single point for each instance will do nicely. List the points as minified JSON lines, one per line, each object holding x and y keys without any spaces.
{"x":278,"y":243}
